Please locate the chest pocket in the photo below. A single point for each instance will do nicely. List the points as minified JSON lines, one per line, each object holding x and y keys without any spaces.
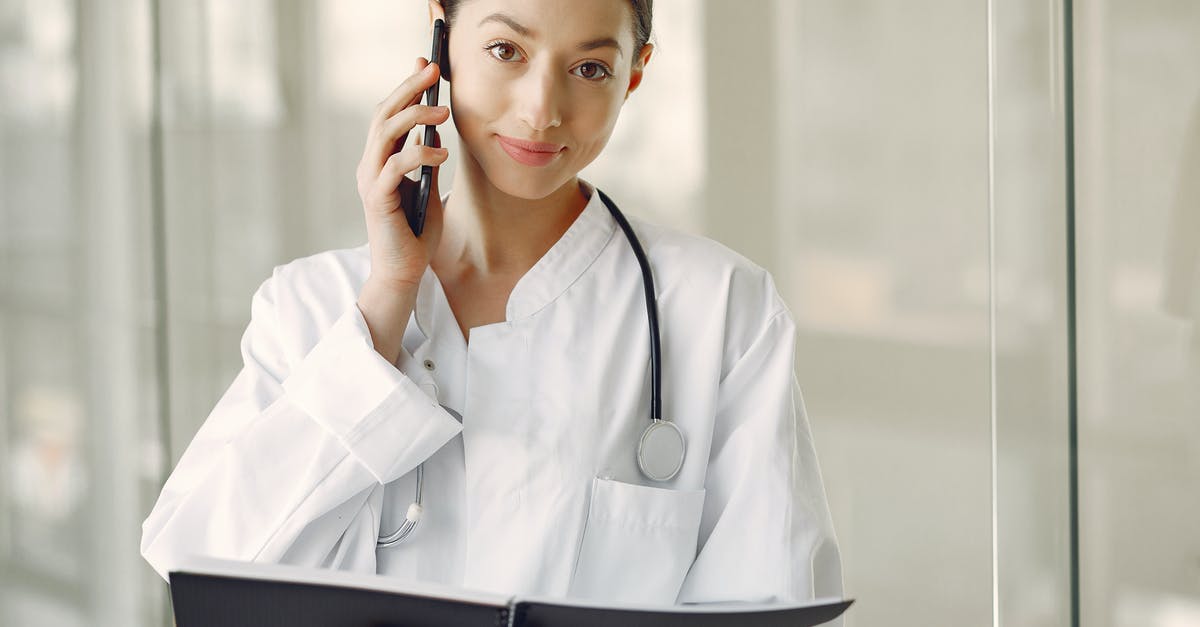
{"x":638,"y":543}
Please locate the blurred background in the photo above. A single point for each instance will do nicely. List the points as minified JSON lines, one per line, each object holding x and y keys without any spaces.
{"x":989,"y":313}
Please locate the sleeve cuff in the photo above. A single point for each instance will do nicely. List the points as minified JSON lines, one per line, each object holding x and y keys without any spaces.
{"x":381,"y":415}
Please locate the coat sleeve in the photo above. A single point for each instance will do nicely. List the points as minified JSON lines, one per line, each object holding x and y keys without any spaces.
{"x":289,"y":466}
{"x":766,"y":534}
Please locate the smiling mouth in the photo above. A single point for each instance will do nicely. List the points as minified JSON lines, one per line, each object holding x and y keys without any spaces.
{"x":530,"y":153}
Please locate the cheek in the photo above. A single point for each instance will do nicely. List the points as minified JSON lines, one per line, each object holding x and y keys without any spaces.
{"x":473,"y":106}
{"x":592,"y":125}
{"x":471,"y":75}
{"x":474,"y":87}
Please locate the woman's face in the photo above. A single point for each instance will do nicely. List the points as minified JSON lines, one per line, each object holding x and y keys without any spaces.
{"x":554,"y":72}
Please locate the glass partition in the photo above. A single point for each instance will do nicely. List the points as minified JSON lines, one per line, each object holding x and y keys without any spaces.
{"x":1137,"y":112}
{"x":1030,"y":314}
{"x":79,"y":441}
{"x":881,"y":181}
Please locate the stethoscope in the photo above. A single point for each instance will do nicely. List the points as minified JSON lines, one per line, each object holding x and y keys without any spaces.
{"x":661,"y":448}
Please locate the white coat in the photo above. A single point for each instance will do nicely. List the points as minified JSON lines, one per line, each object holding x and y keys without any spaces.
{"x":313,"y":447}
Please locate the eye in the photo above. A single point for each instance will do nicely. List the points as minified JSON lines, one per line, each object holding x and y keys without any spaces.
{"x":502,"y":50}
{"x":598,"y":72}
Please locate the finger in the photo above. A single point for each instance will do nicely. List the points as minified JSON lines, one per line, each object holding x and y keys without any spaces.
{"x":395,"y":175}
{"x":397,"y":130}
{"x":434,"y":190}
{"x":404,"y":95}
{"x":406,"y":161}
{"x":377,"y":115}
{"x":392,"y":136}
{"x":407,"y":93}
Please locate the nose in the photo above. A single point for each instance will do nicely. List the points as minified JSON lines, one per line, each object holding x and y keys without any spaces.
{"x":538,"y":99}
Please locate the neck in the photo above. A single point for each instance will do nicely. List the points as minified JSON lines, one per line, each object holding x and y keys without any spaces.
{"x":488,"y":232}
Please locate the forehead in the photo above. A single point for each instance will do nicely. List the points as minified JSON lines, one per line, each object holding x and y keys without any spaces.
{"x":567,"y":22}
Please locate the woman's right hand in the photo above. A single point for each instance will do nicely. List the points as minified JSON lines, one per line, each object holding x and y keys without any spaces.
{"x":398,"y":256}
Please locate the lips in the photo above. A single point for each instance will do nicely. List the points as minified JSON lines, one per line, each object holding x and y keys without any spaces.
{"x":529,"y":152}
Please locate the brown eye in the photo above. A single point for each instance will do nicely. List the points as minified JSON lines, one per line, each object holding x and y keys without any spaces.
{"x":503,"y":51}
{"x":593,"y":71}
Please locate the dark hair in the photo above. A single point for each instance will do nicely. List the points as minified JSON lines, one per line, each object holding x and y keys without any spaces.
{"x":643,"y":17}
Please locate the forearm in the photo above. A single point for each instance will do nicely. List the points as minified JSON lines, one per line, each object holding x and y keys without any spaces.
{"x":386,"y":307}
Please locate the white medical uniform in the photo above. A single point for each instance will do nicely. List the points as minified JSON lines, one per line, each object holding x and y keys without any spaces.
{"x":537,"y":490}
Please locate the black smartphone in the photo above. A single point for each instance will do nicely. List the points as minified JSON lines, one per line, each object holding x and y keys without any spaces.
{"x":415,"y":210}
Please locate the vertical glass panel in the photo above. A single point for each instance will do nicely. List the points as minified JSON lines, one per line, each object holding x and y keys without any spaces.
{"x":77,"y":383}
{"x":227,"y":145}
{"x":1029,"y":274}
{"x":1138,"y":155}
{"x":882,"y":201}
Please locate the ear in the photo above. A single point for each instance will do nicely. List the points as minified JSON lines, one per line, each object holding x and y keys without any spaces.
{"x":639,"y":68}
{"x":436,"y":12}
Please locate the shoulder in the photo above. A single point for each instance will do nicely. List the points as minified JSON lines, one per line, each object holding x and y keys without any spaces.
{"x":711,"y":284}
{"x":325,"y":275}
{"x":302,"y":298}
{"x":697,"y":264}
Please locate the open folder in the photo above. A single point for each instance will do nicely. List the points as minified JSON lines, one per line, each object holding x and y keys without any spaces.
{"x":206,"y":592}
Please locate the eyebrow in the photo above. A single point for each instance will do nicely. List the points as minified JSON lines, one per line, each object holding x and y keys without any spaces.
{"x":602,"y":42}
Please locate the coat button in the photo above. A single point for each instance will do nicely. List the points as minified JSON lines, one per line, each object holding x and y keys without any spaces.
{"x":429,"y":365}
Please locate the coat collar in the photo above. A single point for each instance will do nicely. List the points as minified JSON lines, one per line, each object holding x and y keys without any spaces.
{"x":561,"y":266}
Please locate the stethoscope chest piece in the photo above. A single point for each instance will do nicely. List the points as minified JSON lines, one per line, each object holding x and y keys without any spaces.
{"x":660,"y":451}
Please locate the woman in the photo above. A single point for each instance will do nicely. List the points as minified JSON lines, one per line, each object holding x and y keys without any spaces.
{"x":503,"y":356}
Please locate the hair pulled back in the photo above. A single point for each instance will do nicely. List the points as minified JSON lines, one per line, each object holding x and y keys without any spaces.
{"x":643,"y":17}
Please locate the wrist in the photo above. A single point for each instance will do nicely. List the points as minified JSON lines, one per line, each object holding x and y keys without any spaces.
{"x":397,"y":283}
{"x":386,"y":308}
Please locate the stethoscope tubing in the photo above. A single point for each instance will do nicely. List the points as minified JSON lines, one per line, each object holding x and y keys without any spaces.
{"x":409,"y":524}
{"x":414,"y":512}
{"x":651,"y":307}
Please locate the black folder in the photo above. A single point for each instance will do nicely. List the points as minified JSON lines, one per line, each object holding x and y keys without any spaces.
{"x":208,"y":592}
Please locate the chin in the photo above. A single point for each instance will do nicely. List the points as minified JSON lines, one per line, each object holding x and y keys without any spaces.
{"x":528,"y":187}
{"x":525,"y":182}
